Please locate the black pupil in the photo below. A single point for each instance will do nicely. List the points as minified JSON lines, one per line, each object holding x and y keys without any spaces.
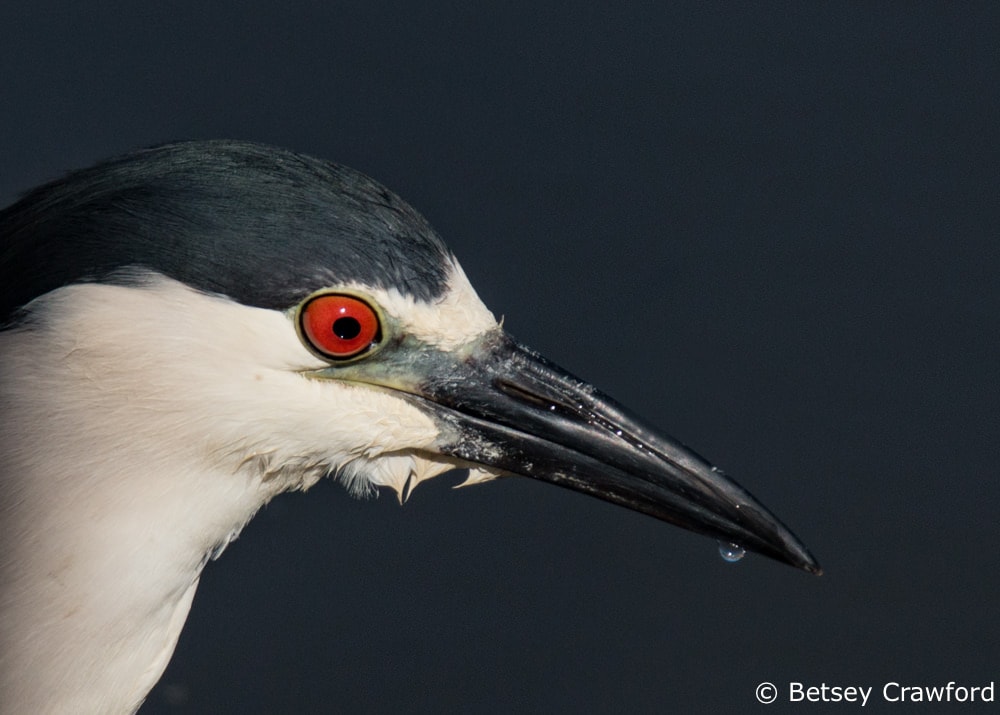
{"x":346,"y":328}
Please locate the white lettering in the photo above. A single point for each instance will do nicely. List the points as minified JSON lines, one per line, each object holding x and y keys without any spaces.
{"x":865,"y":692}
{"x":823,"y":693}
{"x":893,"y":692}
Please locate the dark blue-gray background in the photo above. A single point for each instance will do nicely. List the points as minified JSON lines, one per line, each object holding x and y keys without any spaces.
{"x":771,"y":229}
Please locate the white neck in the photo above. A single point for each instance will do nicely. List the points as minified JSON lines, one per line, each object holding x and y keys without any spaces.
{"x":100,"y":558}
{"x":140,"y":428}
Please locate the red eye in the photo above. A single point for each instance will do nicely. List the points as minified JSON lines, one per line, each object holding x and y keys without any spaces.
{"x":339,"y":326}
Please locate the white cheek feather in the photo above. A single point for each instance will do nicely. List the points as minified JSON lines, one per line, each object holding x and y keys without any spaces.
{"x":168,"y":368}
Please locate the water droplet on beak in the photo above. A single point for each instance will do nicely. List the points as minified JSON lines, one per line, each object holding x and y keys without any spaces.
{"x":731,"y":552}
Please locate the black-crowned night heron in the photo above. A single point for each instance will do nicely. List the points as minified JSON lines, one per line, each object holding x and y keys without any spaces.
{"x":195,"y":328}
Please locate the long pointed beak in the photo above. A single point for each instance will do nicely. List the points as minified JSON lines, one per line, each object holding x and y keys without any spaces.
{"x":504,"y":406}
